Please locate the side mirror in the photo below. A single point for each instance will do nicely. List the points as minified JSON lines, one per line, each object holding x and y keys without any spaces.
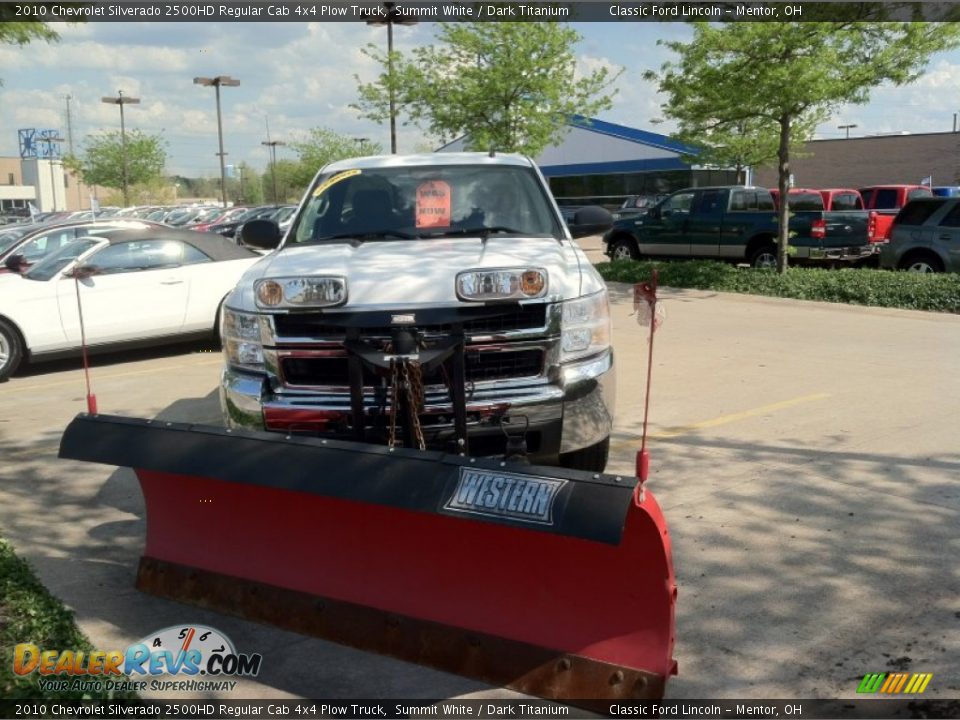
{"x":665,"y":213}
{"x":16,"y":263}
{"x":262,"y":234}
{"x":653,"y":213}
{"x":82,"y":272}
{"x":590,"y":220}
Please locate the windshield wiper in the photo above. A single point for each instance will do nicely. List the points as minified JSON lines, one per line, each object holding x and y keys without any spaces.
{"x":366,"y":236}
{"x":484,"y":232}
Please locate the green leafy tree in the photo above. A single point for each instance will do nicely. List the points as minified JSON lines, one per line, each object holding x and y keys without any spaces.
{"x":508,"y":86}
{"x":102,"y":159}
{"x":288,"y":187}
{"x":156,"y":191}
{"x":245,"y":187}
{"x":779,"y":80}
{"x":322,"y":146}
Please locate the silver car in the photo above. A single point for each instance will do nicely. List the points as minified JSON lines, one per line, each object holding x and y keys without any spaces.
{"x":925,"y":237}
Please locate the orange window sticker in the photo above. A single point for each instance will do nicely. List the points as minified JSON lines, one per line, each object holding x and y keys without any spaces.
{"x":433,"y":204}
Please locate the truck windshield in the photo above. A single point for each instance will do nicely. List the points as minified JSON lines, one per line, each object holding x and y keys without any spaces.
{"x":804,"y":201}
{"x":426,"y":202}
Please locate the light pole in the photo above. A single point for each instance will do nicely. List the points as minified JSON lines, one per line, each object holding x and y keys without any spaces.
{"x":217,"y":82}
{"x":847,"y":128}
{"x":272,"y":144}
{"x":53,"y":185}
{"x":391,"y":17}
{"x":122,"y":100}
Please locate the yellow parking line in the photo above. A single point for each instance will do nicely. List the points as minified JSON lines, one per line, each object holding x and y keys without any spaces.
{"x":729,"y":418}
{"x":97,"y":377}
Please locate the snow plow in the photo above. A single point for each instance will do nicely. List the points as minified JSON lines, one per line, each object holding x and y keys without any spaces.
{"x":549,"y":581}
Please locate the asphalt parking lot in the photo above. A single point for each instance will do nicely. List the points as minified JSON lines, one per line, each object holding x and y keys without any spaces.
{"x":806,"y":457}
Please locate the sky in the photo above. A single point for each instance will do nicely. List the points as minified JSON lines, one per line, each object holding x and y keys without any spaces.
{"x":296,"y":76}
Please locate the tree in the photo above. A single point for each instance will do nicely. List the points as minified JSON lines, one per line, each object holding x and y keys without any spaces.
{"x":288,"y":186}
{"x":739,"y":146}
{"x":245,"y":187}
{"x":508,"y":86}
{"x":322,"y":146}
{"x":779,"y":80}
{"x":102,"y":160}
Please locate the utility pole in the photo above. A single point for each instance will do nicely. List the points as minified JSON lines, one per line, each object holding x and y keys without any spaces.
{"x":68,"y":97}
{"x":121,"y":100}
{"x":847,"y":128}
{"x":272,"y":144}
{"x":217,"y":82}
{"x":392,"y":17}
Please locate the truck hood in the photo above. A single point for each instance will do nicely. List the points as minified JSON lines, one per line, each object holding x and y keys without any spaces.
{"x":412,"y":273}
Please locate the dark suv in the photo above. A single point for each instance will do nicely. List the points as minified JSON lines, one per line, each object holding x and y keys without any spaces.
{"x":925,"y":237}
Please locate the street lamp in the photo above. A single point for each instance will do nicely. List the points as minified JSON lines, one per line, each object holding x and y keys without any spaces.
{"x":53,"y":185}
{"x":217,"y":82}
{"x":391,"y":17}
{"x":847,"y":128}
{"x":122,"y":100}
{"x":272,"y":144}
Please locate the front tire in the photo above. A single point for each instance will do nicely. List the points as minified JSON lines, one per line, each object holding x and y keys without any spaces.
{"x":591,"y":459}
{"x":764,"y":257}
{"x":11,"y":350}
{"x":623,"y":248}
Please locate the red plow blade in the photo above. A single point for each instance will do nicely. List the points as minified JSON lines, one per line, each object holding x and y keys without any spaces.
{"x":553,"y":582}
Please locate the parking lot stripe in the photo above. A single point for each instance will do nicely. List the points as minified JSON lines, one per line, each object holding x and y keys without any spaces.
{"x":98,"y":377}
{"x":723,"y":419}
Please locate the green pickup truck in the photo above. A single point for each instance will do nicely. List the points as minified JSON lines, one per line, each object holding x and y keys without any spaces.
{"x":738,"y":224}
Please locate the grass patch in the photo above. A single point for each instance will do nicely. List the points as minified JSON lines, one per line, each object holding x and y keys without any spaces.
{"x":856,"y":286}
{"x":30,"y":614}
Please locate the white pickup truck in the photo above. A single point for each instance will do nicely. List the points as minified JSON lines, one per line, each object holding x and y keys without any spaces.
{"x":439,"y":297}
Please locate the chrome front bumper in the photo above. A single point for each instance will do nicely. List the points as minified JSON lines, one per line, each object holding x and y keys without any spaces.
{"x":573,"y":410}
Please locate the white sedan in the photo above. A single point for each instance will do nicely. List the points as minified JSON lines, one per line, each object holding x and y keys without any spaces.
{"x":146,"y":286}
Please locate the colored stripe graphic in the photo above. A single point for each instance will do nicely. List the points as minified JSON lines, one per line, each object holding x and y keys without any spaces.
{"x":871,"y":682}
{"x":895,"y":683}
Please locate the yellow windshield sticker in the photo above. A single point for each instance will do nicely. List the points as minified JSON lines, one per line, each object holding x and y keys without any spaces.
{"x":322,"y":187}
{"x":433,"y":204}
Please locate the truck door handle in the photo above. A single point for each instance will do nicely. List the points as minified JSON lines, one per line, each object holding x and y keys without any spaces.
{"x":171,"y":281}
{"x":946,"y":236}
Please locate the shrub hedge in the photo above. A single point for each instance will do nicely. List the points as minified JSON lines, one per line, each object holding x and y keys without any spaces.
{"x":856,"y":286}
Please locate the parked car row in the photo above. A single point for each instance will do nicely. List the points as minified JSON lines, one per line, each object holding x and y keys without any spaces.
{"x":737,"y":223}
{"x":834,"y":225}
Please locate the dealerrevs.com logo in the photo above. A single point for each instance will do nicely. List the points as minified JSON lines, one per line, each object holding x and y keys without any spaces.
{"x":200,"y":658}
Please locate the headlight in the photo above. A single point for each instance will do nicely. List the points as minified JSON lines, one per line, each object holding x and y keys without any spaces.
{"x":301,"y":292}
{"x":585,"y":328}
{"x":242,"y":346}
{"x":507,"y":284}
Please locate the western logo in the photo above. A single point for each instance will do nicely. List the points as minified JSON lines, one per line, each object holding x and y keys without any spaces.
{"x":505,"y":495}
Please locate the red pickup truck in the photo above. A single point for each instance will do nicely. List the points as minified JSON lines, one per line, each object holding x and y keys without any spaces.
{"x":884,"y":202}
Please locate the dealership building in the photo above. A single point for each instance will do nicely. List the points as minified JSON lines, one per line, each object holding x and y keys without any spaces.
{"x":600,"y":162}
{"x":877,"y":160}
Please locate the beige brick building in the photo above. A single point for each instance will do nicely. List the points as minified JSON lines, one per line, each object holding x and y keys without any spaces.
{"x":74,"y":195}
{"x":859,"y":162}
